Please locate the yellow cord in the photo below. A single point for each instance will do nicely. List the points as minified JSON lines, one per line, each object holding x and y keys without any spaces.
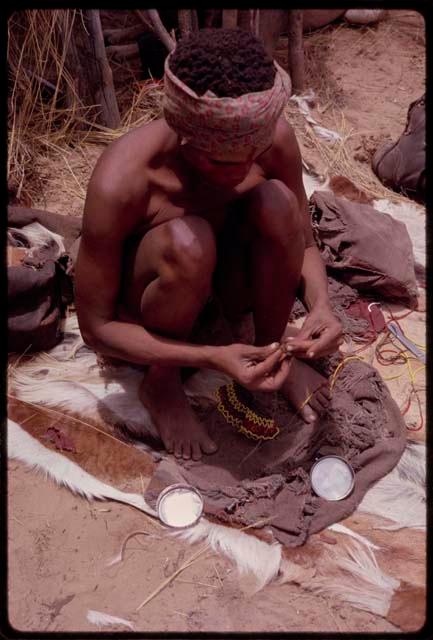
{"x":342,"y":363}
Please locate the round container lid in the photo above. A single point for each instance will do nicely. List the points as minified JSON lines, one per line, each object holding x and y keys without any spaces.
{"x":179,"y":506}
{"x":332,"y":478}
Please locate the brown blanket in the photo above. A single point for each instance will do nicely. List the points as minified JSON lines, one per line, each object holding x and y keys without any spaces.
{"x":39,"y":287}
{"x":245,"y":482}
{"x":366,"y":249}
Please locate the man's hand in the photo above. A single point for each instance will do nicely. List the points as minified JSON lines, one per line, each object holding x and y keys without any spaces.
{"x":320,"y":335}
{"x":255,"y":368}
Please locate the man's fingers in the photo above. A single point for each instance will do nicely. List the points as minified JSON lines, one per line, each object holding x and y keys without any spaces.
{"x":260,"y":354}
{"x":323,"y":346}
{"x":261,"y":369}
{"x":298,"y":345}
{"x":305,"y":332}
{"x":275,"y":381}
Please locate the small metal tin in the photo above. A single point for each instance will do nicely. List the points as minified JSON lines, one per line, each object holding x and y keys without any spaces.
{"x":332,"y":478}
{"x":163,"y":501}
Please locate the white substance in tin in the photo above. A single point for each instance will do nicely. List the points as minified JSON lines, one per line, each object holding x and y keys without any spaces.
{"x":180,"y":508}
{"x":331,"y":478}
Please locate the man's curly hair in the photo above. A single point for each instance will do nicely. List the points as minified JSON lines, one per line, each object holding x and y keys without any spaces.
{"x":229,"y":62}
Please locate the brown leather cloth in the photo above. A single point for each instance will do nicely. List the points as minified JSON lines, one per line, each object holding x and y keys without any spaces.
{"x":66,"y":226}
{"x":39,"y":287}
{"x":244,"y":483}
{"x":364,"y":248}
{"x":401,"y":165}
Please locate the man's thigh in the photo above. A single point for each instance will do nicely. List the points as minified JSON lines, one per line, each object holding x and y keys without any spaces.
{"x":141,"y":257}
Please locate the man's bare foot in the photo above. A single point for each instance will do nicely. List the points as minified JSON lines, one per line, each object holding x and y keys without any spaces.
{"x":299,"y":384}
{"x":162,"y":394}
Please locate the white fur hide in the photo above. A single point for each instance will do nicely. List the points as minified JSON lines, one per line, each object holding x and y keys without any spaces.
{"x":69,"y":378}
{"x":59,"y":381}
{"x":248,"y":553}
{"x":101,"y":619}
{"x":38,"y":236}
{"x":361,"y":582}
{"x":400,"y":496}
{"x":22,"y":446}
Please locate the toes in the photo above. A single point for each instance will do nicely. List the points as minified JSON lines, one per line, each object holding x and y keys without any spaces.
{"x":308,"y":414}
{"x":168,"y":444}
{"x":322,"y":400}
{"x":208,"y":446}
{"x":178,"y":449}
{"x":196,"y":450}
{"x":316,"y":405}
{"x":186,"y":450}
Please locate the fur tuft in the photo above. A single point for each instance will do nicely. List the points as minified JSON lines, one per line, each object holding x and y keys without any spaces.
{"x":400,"y":495}
{"x":24,"y":447}
{"x":360,"y":582}
{"x":101,"y":619}
{"x":248,"y":553}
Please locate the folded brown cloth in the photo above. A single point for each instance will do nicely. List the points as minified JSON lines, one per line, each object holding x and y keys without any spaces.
{"x":401,"y":165}
{"x":68,"y":227}
{"x":39,"y":283}
{"x":244,"y":482}
{"x":368,"y":250}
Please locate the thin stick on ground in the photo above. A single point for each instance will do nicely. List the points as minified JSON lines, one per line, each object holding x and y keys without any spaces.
{"x":217,"y":573}
{"x":68,"y":416}
{"x":132,"y":535}
{"x":166,"y":582}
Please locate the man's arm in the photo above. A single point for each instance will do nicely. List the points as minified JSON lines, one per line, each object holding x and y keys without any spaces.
{"x":321,"y":324}
{"x":106,"y":225}
{"x":287,"y":167}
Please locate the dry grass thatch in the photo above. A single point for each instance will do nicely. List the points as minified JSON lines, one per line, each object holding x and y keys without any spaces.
{"x":46,"y":118}
{"x":45,"y":115}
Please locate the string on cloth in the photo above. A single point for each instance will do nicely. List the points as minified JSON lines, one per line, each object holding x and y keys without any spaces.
{"x":387,"y":356}
{"x":400,"y":356}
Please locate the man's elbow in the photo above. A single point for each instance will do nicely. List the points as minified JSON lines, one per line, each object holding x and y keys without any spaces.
{"x":89,"y":339}
{"x":89,"y":335}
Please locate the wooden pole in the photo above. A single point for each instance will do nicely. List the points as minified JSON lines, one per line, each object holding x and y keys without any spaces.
{"x":209,"y":17}
{"x":123,"y":51}
{"x":105,"y":94}
{"x":295,"y":54}
{"x":230,"y":18}
{"x":184,"y":17}
{"x":194,"y":20}
{"x":271,"y":23}
{"x":157,"y":27}
{"x":89,"y":70}
{"x":120,"y":36}
{"x":244,"y":19}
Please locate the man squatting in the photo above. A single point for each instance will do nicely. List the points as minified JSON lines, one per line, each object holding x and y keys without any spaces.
{"x":207,"y":199}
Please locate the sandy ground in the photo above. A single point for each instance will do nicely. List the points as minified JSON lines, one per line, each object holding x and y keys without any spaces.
{"x":59,"y":544}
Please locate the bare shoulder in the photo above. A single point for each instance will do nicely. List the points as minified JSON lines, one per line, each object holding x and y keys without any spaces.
{"x":285,"y":141}
{"x":122,"y":170}
{"x":284,"y":151}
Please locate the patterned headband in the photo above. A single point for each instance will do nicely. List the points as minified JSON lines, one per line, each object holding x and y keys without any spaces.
{"x":224,"y":125}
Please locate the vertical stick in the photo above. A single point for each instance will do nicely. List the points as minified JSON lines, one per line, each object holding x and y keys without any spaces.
{"x":184,"y":18}
{"x":296,"y":50}
{"x":194,"y":20}
{"x":230,"y":18}
{"x":244,"y":19}
{"x":105,"y":93}
{"x":209,"y":18}
{"x":271,"y":24}
{"x":157,"y":26}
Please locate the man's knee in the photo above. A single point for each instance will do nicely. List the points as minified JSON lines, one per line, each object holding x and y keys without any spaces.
{"x":274,"y":212}
{"x":189,"y":252}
